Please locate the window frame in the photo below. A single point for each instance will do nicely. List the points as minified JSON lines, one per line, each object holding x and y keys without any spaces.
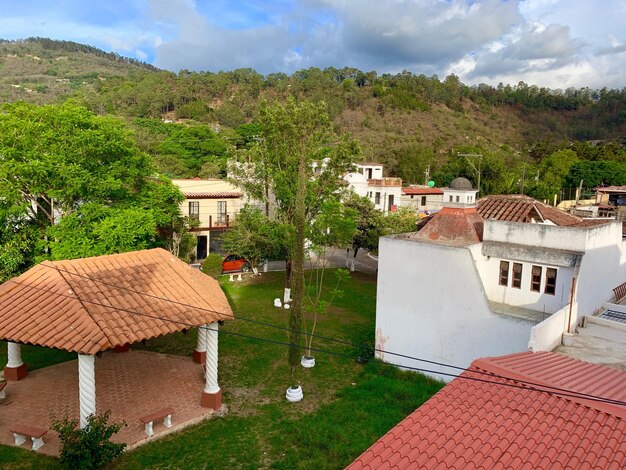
{"x":503,"y":273}
{"x":377,"y":198}
{"x":423,"y":200}
{"x":535,"y":278}
{"x":194,"y":210}
{"x":516,"y":280}
{"x":550,"y":281}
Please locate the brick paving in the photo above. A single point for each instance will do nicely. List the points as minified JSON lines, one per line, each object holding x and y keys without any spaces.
{"x":131,"y":385}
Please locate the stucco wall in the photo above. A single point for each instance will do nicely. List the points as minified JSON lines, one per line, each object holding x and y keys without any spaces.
{"x":431,"y":304}
{"x":547,"y":335}
{"x":602,"y":268}
{"x":489,"y":269}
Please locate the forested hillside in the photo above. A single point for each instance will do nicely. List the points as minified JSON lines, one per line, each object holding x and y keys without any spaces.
{"x":534,"y":140}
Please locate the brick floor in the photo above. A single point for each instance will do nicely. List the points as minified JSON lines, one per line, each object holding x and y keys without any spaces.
{"x":131,"y":385}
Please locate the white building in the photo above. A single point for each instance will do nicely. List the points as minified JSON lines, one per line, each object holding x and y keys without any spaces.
{"x":491,"y":279}
{"x":422,"y":199}
{"x":214,"y":203}
{"x":368,"y":181}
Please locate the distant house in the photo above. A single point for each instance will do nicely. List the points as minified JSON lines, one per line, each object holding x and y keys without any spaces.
{"x":422,"y":199}
{"x":214,"y":203}
{"x":497,"y":421}
{"x":492,"y":278}
{"x":368,"y":181}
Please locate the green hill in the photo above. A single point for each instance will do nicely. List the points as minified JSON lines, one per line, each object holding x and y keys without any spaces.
{"x":190,"y":122}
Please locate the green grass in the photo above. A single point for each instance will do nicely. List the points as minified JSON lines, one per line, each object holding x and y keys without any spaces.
{"x":346,"y":406}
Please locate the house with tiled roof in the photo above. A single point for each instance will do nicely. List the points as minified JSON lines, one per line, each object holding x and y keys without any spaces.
{"x":214,"y":204}
{"x":497,"y":277}
{"x":526,"y":410}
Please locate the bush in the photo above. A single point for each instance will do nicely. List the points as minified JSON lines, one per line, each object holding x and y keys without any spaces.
{"x":212,"y":265}
{"x":90,"y":447}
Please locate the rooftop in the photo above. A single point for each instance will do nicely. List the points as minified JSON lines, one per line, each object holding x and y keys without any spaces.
{"x":94,"y":304}
{"x":487,"y":424}
{"x":520,"y":208}
{"x":421,"y":190}
{"x":456,"y":225}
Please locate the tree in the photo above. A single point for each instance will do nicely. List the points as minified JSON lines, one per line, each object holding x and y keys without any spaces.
{"x":74,"y":184}
{"x":255,"y":237}
{"x":369,"y":225}
{"x":301,"y":161}
{"x":332,"y":229}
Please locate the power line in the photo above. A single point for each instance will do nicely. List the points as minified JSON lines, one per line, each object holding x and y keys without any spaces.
{"x":566,"y":393}
{"x":336,"y":340}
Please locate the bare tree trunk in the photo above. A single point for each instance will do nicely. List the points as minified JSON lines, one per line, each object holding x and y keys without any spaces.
{"x":297,"y":281}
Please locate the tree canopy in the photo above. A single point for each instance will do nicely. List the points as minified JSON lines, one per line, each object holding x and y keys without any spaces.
{"x":75,"y":184}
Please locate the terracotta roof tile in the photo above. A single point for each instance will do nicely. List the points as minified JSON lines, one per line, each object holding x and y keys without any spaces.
{"x":460,"y":225}
{"x":93,"y":304}
{"x":212,"y":195}
{"x":514,"y":428}
{"x":425,"y":191}
{"x":520,"y":208}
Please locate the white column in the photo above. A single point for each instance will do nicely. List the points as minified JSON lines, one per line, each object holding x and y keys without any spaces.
{"x":211,"y":386}
{"x":14,"y":354}
{"x":86,"y":387}
{"x":201,"y":344}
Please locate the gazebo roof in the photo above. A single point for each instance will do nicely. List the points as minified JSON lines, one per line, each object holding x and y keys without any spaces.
{"x":94,"y":304}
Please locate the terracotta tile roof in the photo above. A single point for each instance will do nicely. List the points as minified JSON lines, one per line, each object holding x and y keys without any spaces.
{"x":460,"y":225}
{"x":86,"y":305}
{"x":471,"y":424}
{"x":212,"y":195}
{"x":519,"y":208}
{"x":611,"y":189}
{"x":421,"y":191}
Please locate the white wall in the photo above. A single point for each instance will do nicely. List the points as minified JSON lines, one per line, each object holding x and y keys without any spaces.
{"x":431,"y":304}
{"x":547,"y":335}
{"x":602,"y":268}
{"x":489,"y":269}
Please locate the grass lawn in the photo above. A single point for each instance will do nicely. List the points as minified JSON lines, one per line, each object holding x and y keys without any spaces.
{"x":346,"y":405}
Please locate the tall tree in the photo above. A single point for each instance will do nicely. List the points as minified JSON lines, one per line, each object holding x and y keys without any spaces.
{"x":301,"y":161}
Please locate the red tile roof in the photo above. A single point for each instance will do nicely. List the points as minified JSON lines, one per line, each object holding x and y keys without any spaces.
{"x":471,"y":424}
{"x":519,"y":208}
{"x":460,"y":225}
{"x":212,"y":195}
{"x":94,"y":304}
{"x":421,"y":191}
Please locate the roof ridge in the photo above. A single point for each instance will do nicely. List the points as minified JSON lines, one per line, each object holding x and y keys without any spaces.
{"x":73,"y":291}
{"x":513,"y":374}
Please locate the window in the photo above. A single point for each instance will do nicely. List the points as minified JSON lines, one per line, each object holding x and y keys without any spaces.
{"x":504,"y":273}
{"x":535,"y":279}
{"x":423,"y":200}
{"x":221,"y":212}
{"x":517,"y":275}
{"x":377,"y":198}
{"x":450,"y":198}
{"x":550,"y":281}
{"x":411,"y":196}
{"x":390,"y":200}
{"x":458,"y":199}
{"x":194,"y":210}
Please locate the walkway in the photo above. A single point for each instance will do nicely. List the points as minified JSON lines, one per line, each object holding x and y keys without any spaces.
{"x":131,"y":385}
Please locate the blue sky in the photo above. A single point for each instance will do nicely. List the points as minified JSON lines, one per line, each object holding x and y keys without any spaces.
{"x":554,"y":43}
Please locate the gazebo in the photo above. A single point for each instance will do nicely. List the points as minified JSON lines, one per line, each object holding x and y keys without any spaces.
{"x":92,"y":305}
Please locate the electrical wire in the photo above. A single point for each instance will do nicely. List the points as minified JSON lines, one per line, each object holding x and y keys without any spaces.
{"x":368,"y":349}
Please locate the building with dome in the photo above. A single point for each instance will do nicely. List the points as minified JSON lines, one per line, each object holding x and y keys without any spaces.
{"x":460,"y":191}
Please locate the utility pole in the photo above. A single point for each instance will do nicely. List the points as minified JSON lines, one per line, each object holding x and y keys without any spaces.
{"x":480,"y":160}
{"x":427,"y":175}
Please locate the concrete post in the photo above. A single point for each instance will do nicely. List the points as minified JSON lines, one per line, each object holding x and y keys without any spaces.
{"x":15,"y":369}
{"x":199,"y":355}
{"x":212,"y":394}
{"x":86,"y":387}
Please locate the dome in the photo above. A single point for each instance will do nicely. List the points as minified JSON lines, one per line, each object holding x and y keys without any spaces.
{"x":461,"y":183}
{"x":355,"y":178}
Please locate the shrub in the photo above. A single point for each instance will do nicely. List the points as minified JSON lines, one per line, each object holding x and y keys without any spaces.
{"x":212,"y":265}
{"x":90,"y":447}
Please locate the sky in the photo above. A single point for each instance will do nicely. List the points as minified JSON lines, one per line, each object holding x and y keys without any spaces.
{"x":552,"y":43}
